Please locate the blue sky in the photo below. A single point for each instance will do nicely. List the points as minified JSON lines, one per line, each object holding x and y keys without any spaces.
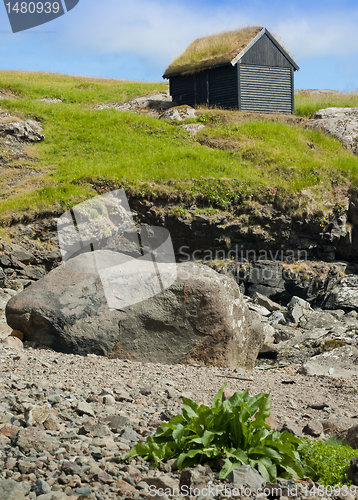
{"x":137,"y":40}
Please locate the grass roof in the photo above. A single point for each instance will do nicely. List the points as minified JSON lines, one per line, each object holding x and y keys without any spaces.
{"x":213,"y":50}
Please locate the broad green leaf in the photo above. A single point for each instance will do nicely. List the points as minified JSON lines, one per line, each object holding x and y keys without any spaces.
{"x":266,"y":451}
{"x":228,"y":466}
{"x":190,"y":409}
{"x":217,"y":401}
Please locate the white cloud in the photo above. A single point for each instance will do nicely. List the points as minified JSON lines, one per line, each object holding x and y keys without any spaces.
{"x":157,"y":31}
{"x":154,"y":30}
{"x":334,"y":34}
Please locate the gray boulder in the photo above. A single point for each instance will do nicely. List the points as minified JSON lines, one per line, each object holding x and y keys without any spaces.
{"x":13,"y":490}
{"x":179,"y":113}
{"x":29,"y":130}
{"x":341,"y":123}
{"x":201,"y":318}
{"x":299,"y":309}
{"x":341,"y":362}
{"x":352,"y":472}
{"x":344,"y":295}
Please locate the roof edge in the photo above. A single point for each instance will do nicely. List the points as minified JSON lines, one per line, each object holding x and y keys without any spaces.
{"x":263,"y":32}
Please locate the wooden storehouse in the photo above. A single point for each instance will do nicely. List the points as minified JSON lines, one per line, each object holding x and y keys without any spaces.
{"x":246,"y":69}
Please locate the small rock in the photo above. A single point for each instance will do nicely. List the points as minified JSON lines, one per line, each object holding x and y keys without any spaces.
{"x":313,"y":428}
{"x":259,"y":309}
{"x":292,"y":427}
{"x":352,"y":437}
{"x":298,"y":309}
{"x":178,"y":113}
{"x":277,"y":318}
{"x":14,"y":342}
{"x":246,"y":475}
{"x":85,"y":409}
{"x":12,"y":490}
{"x":40,"y":487}
{"x":352,"y":472}
{"x":71,"y":468}
{"x":146,"y":390}
{"x":264,"y":301}
{"x":108,"y":400}
{"x":124,"y":488}
{"x":36,"y":414}
{"x":165,"y":482}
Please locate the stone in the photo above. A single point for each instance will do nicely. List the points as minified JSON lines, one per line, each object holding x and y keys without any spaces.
{"x":28,"y":130}
{"x":202,"y":317}
{"x":298,"y":309}
{"x":95,"y":430}
{"x":117,"y":423}
{"x":259,"y":309}
{"x":264,"y":301}
{"x":71,"y":468}
{"x":344,"y":295}
{"x":193,"y":128}
{"x":131,"y":435}
{"x":164,"y":481}
{"x":108,"y":399}
{"x":277,"y":318}
{"x":195,"y":477}
{"x":31,"y":437}
{"x":146,"y":390}
{"x":352,"y":437}
{"x":247,"y":476}
{"x":178,"y":113}
{"x":19,"y":253}
{"x":291,"y":427}
{"x":336,"y":363}
{"x":8,"y":430}
{"x":54,"y":495}
{"x":40,"y":487}
{"x":50,"y":100}
{"x":36,"y":414}
{"x":313,"y":428}
{"x":269,"y":332}
{"x":352,"y":472}
{"x":341,"y":123}
{"x":84,"y":408}
{"x":14,"y":342}
{"x":124,"y":487}
{"x":12,"y":490}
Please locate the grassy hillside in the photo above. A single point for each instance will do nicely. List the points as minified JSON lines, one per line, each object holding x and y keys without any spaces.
{"x":236,"y":158}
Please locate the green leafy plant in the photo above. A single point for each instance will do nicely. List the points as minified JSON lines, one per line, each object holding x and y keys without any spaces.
{"x":329,"y":461}
{"x":233,"y":430}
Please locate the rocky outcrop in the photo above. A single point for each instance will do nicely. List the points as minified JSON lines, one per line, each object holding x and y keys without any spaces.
{"x":341,"y":123}
{"x":152,"y":104}
{"x":344,"y":295}
{"x":179,"y":113}
{"x":29,"y":130}
{"x":201,"y":318}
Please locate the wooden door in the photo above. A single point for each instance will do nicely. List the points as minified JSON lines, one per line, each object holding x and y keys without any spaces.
{"x":202,"y":88}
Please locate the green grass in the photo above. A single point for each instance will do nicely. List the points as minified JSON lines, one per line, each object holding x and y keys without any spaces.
{"x":293,"y":157}
{"x":73,"y":89}
{"x":263,"y":159}
{"x":306,"y":105}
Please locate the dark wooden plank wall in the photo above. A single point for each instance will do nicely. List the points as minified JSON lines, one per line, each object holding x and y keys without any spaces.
{"x":182,"y":89}
{"x":265,"y":53}
{"x":265,"y":89}
{"x":223,"y":87}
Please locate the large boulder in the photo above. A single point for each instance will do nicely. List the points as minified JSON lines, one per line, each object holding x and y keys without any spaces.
{"x":201,"y":318}
{"x":344,"y":295}
{"x":341,"y":123}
